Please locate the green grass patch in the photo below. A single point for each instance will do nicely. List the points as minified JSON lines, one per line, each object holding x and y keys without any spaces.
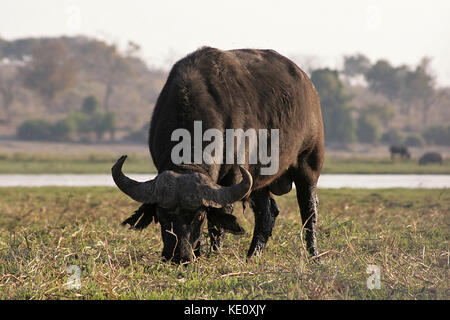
{"x":23,"y":163}
{"x":404,"y":232}
{"x":382,"y":166}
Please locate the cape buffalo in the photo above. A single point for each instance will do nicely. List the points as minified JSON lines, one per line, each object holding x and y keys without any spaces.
{"x":430,"y":157}
{"x":237,"y":89}
{"x":401,"y":150}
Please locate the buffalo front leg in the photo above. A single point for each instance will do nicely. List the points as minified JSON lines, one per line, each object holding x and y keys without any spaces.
{"x":216,"y":232}
{"x":265,"y":211}
{"x":216,"y":235}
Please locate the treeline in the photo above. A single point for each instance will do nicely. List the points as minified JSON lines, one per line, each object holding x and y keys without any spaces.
{"x":378,"y":103}
{"x":86,"y":125}
{"x":47,"y":85}
{"x":44,"y":81}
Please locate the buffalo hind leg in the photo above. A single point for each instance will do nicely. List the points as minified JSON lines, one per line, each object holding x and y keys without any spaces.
{"x":265,"y":211}
{"x":305,"y":178}
{"x":306,"y":188}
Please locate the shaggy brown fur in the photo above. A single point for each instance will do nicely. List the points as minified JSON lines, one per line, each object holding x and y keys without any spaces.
{"x":241,"y":89}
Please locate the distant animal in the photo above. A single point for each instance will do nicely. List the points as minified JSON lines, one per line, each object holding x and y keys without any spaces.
{"x":431,"y":157}
{"x":240,"y":90}
{"x":401,"y":150}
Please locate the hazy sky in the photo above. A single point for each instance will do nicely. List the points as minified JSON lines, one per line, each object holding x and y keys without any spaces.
{"x":401,"y":31}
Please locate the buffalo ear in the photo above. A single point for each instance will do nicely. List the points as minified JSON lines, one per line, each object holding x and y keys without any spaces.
{"x":142,"y":217}
{"x":226,"y":221}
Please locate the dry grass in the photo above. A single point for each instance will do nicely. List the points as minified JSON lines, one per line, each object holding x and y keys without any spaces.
{"x":43,"y":231}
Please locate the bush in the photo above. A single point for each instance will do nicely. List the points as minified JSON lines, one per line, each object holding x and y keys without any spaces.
{"x":414,"y":141}
{"x":368,"y":129}
{"x":98,"y":123}
{"x":35,"y":129}
{"x":392,"y":137}
{"x":64,"y":130}
{"x":102,"y":123}
{"x":89,"y":105}
{"x":77,"y":125}
{"x":438,"y":135}
{"x":39,"y":129}
{"x":140,"y":136}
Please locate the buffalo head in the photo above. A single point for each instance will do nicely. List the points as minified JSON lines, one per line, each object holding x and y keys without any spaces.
{"x":180,"y":203}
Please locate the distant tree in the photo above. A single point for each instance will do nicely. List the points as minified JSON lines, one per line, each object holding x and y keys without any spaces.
{"x":80,"y":122}
{"x":140,"y":135}
{"x":383,"y":78}
{"x":414,"y":140}
{"x":383,"y":112}
{"x":103,"y":123}
{"x":74,"y":121}
{"x":438,"y":135}
{"x":35,"y":129}
{"x":51,"y":70}
{"x":89,"y":105}
{"x":410,"y":89}
{"x":418,"y":89}
{"x":90,"y":121}
{"x":368,"y":129}
{"x":9,"y":85}
{"x":110,"y":124}
{"x":393,"y":137}
{"x":64,"y":130}
{"x":337,"y":117}
{"x":117,"y":67}
{"x":356,"y":65}
{"x":110,"y":66}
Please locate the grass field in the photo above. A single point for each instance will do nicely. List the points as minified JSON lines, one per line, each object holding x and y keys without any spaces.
{"x":22,"y":163}
{"x":138,"y":163}
{"x":382,"y":166}
{"x":404,"y":232}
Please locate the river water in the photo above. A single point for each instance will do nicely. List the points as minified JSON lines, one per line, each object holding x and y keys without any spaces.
{"x":333,"y":181}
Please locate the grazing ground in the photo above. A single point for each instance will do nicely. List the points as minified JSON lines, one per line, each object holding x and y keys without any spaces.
{"x":23,"y":163}
{"x":357,"y":165}
{"x":404,"y":232}
{"x":138,"y":163}
{"x":52,"y":157}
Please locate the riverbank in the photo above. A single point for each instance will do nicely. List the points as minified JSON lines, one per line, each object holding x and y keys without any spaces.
{"x":22,"y":157}
{"x":101,"y":163}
